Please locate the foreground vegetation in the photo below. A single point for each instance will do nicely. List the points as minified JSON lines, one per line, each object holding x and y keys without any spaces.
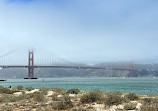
{"x":51,"y":99}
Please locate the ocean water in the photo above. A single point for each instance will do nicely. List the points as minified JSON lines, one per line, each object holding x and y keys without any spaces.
{"x":136,"y":85}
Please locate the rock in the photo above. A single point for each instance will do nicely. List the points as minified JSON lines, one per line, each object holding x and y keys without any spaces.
{"x":138,"y":105}
{"x":49,"y":93}
{"x":99,"y":107}
{"x":121,"y":107}
{"x":60,"y":96}
{"x":11,"y":104}
{"x":17,"y":93}
{"x":32,"y":91}
{"x":72,"y":95}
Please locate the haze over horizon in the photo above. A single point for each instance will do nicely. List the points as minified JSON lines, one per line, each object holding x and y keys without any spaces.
{"x":85,"y":31}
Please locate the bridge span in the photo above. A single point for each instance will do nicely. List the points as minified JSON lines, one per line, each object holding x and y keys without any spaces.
{"x":31,"y":66}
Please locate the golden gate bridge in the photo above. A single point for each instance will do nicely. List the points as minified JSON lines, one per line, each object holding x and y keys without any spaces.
{"x":31,"y":66}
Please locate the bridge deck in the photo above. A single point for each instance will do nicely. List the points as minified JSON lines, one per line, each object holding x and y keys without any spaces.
{"x":51,"y":66}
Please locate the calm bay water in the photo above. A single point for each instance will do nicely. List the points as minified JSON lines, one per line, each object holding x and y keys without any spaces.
{"x":137,"y":85}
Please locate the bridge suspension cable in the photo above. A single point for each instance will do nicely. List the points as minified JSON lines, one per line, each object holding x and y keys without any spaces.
{"x":7,"y":54}
{"x":64,"y":61}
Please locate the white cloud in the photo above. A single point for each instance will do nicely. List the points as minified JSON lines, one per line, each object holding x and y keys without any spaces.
{"x":82,"y":31}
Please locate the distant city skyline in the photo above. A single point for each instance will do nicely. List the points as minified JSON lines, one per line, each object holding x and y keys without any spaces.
{"x":84,"y":31}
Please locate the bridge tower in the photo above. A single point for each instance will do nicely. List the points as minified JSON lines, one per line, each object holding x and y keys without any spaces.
{"x":31,"y":65}
{"x":130,"y":70}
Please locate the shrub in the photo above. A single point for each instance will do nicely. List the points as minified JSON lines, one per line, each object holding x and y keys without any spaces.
{"x":38,"y":96}
{"x":130,"y":106}
{"x":117,"y":93}
{"x":92,"y":96}
{"x":79,"y":109}
{"x":30,"y":95}
{"x":150,"y":101}
{"x":63,"y":104}
{"x":7,"y":108}
{"x":6,"y":90}
{"x":1,"y":87}
{"x":114,"y":98}
{"x":20,"y":87}
{"x":73,"y":91}
{"x":2,"y":99}
{"x":10,"y":98}
{"x":149,"y":108}
{"x":44,"y":90}
{"x":59,"y":91}
{"x":150,"y":104}
{"x":29,"y":88}
{"x":152,"y":95}
{"x":55,"y":98}
{"x":21,"y":97}
{"x":132,"y":96}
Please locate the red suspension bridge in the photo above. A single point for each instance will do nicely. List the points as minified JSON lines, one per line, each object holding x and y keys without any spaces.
{"x":31,"y":66}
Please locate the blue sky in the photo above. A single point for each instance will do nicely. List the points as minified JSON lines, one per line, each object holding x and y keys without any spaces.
{"x":87,"y":31}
